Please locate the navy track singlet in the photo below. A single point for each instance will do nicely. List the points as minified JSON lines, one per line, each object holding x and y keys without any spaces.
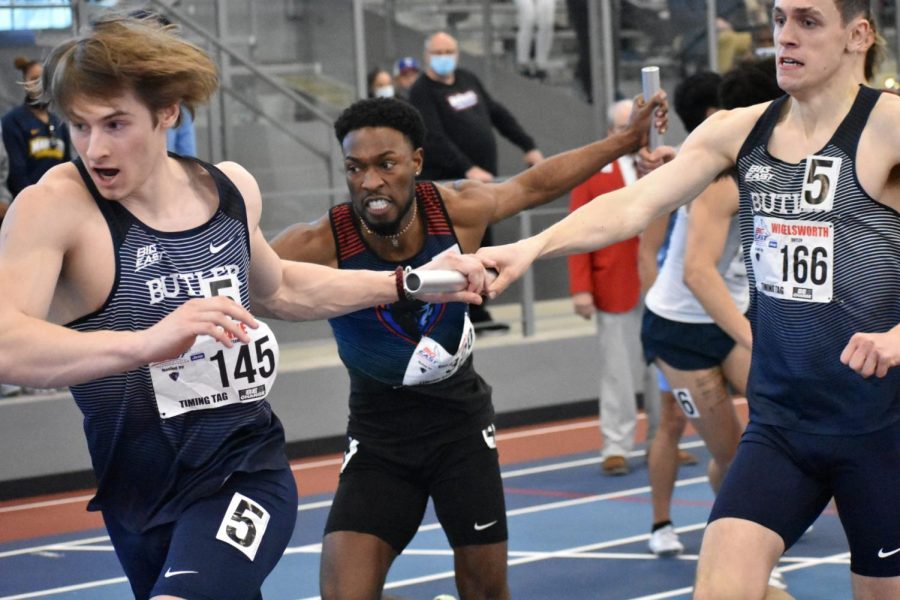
{"x":823,"y":259}
{"x":150,"y":468}
{"x":402,"y":382}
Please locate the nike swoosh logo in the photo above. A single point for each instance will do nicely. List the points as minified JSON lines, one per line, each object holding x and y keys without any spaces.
{"x":883,"y":554}
{"x":479,"y":527}
{"x":171,"y":573}
{"x":216,"y":249}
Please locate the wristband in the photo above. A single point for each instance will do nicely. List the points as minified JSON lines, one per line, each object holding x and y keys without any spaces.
{"x":400,"y":281}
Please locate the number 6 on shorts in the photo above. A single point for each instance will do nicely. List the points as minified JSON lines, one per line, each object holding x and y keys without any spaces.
{"x":244,"y":525}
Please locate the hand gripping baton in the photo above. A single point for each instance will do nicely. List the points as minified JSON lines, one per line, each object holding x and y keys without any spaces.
{"x":427,"y":281}
{"x":433,"y":281}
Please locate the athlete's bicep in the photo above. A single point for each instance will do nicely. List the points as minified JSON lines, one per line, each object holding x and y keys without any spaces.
{"x":33,"y":242}
{"x":266,"y":270}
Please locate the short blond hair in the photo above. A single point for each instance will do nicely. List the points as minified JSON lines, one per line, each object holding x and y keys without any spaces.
{"x":122,"y":53}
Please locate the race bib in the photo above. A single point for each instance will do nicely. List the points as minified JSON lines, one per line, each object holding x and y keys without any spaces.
{"x":209,"y":375}
{"x":431,"y":362}
{"x":793,"y":260}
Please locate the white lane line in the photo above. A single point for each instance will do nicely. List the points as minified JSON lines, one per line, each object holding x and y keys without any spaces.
{"x":68,"y":588}
{"x":54,"y":547}
{"x":840,"y":558}
{"x":46,"y":503}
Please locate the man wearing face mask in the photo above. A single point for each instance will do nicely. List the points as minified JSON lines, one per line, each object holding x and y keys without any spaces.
{"x":460,"y":117}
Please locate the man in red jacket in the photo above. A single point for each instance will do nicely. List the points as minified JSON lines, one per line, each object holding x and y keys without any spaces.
{"x":607,"y":282}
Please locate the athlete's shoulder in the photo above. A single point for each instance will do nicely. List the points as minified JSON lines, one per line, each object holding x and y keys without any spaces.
{"x":742,"y":118}
{"x":54,"y":209}
{"x":724,"y":131}
{"x":239,"y":175}
{"x":308,"y":242}
{"x":60,"y":189}
{"x":468,"y":201}
{"x":246,"y":184}
{"x":885,"y":116}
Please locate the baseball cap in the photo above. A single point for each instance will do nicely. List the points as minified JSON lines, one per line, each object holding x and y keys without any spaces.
{"x":407,"y":63}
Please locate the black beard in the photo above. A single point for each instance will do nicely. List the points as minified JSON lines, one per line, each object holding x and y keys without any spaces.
{"x":387,"y":229}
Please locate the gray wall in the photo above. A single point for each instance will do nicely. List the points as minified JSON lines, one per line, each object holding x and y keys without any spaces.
{"x":42,"y":435}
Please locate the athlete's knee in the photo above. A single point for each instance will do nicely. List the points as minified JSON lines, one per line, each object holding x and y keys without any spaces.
{"x":482,"y":574}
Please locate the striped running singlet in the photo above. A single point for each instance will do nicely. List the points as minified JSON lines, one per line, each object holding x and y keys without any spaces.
{"x":149,"y":467}
{"x":823,"y":260}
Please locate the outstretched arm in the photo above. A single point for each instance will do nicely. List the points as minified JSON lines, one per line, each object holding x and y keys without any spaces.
{"x":708,"y":222}
{"x":621,"y":214}
{"x":556,"y":175}
{"x":304,"y":291}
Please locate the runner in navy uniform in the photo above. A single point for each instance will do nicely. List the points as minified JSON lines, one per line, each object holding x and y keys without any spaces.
{"x":819,"y":199}
{"x":421,"y":418}
{"x":153,"y":263}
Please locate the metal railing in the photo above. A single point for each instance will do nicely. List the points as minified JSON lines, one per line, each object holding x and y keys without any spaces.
{"x":230,"y":61}
{"x":226,"y":56}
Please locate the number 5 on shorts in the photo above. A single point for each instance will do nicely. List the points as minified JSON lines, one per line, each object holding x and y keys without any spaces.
{"x":244,"y":525}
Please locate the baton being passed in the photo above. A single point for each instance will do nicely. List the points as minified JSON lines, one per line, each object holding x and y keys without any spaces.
{"x":436,"y":281}
{"x":650,"y":85}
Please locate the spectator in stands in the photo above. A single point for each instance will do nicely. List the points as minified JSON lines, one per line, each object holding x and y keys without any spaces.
{"x":406,"y":71}
{"x":379,"y":84}
{"x":35,"y":139}
{"x":460,"y":117}
{"x":531,"y":14}
{"x":606,"y":282}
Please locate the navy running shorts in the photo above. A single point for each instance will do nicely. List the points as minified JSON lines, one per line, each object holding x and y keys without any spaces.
{"x":684,"y":346}
{"x":383,"y":491}
{"x":222,"y":546}
{"x":783,"y":479}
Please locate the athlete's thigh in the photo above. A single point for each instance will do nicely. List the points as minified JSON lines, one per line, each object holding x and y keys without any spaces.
{"x":225,"y":545}
{"x":467,"y":491}
{"x":703,"y":396}
{"x":867,"y":495}
{"x":378,"y":495}
{"x":142,"y":555}
{"x":768,"y":462}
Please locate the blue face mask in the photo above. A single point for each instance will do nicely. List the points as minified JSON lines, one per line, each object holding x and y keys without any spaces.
{"x":443,"y":64}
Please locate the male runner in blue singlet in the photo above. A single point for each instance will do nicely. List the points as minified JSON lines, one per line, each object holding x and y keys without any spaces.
{"x":421,"y":418}
{"x":819,"y":180}
{"x":153,"y":262}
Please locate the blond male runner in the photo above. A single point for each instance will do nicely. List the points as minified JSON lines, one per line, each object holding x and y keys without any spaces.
{"x":130,"y":275}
